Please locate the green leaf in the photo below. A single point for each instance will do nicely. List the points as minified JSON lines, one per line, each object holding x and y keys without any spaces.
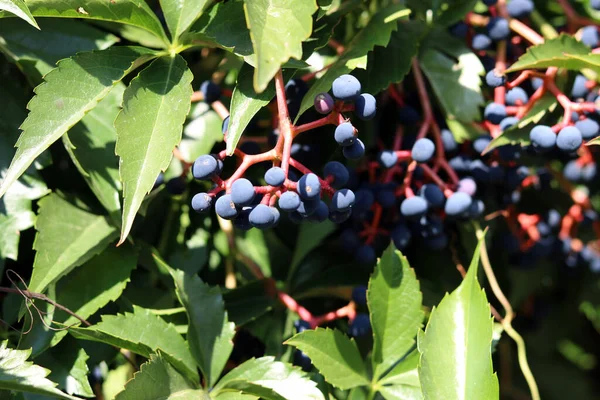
{"x":69,"y":369}
{"x":254,"y":245}
{"x":395,"y":306}
{"x":67,"y":237}
{"x":37,"y":52}
{"x":154,"y":109}
{"x":335,"y":356}
{"x":253,"y":389}
{"x":129,"y":12}
{"x":158,"y":380}
{"x":284,"y":379}
{"x":93,"y":285}
{"x":69,"y":91}
{"x":16,"y":373}
{"x":19,"y":8}
{"x":391,"y":63}
{"x":209,"y":332}
{"x":464,"y":131}
{"x":456,"y":359}
{"x":376,"y":33}
{"x":91,"y":145}
{"x":457,"y":84}
{"x":277,"y":29}
{"x":180,"y":14}
{"x":200,"y":134}
{"x":235,"y":396}
{"x":559,"y":52}
{"x":142,"y":333}
{"x":450,"y":11}
{"x":309,"y":238}
{"x":519,"y":133}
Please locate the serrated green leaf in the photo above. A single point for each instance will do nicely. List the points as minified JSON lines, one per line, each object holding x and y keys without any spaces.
{"x":457,"y":85}
{"x":394,"y":303}
{"x":335,"y":356}
{"x":209,"y":334}
{"x":149,"y":127}
{"x":558,"y":52}
{"x":309,"y":238}
{"x":200,"y":134}
{"x":130,"y":12}
{"x":284,"y":379}
{"x":464,"y":131}
{"x":142,"y":333}
{"x":391,"y":63}
{"x":158,"y":380}
{"x":16,"y":373}
{"x":37,"y":52}
{"x":254,"y":245}
{"x":91,"y":145}
{"x":67,"y":236}
{"x":376,"y":33}
{"x":69,"y":91}
{"x":402,"y":382}
{"x":277,"y":29}
{"x":456,"y":359}
{"x":519,"y":133}
{"x":180,"y":14}
{"x":19,"y":8}
{"x":253,"y":389}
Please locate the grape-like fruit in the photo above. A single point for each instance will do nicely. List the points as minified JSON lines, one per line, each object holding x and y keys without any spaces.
{"x":355,"y":151}
{"x":423,"y":150}
{"x":321,"y":213}
{"x":346,"y":88}
{"x":537,"y":83}
{"x":342,"y":200}
{"x":498,"y":28}
{"x":275,"y":176}
{"x":365,"y":106}
{"x":262,"y":217}
{"x":588,"y":127}
{"x":338,"y":217}
{"x":242,"y":192}
{"x":460,"y":30}
{"x":481,"y":42}
{"x":414,"y":207}
{"x":408,"y":115}
{"x":360,"y":325}
{"x":480,"y":171}
{"x":460,"y":163}
{"x":448,"y":141}
{"x":365,"y":254}
{"x":205,"y":167}
{"x":508,"y":122}
{"x":494,"y":80}
{"x":458,"y":204}
{"x":386,"y":197}
{"x":309,"y":187}
{"x":595,"y":4}
{"x":201,"y":202}
{"x":324,"y":103}
{"x":176,"y":186}
{"x":345,"y":134}
{"x":387,"y":158}
{"x":359,"y":295}
{"x":494,"y":112}
{"x":569,"y":139}
{"x":401,"y":236}
{"x":308,"y":207}
{"x":467,"y":185}
{"x":589,"y":36}
{"x":225,"y":207}
{"x":520,"y":8}
{"x":211,"y":91}
{"x":289,"y":201}
{"x":242,"y":220}
{"x":481,"y":143}
{"x":542,"y":138}
{"x":516,"y":96}
{"x":579,"y":89}
{"x":295,"y":89}
{"x":338,"y":171}
{"x":433,"y":194}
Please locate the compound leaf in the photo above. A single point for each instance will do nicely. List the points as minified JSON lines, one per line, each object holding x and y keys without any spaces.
{"x":19,"y":8}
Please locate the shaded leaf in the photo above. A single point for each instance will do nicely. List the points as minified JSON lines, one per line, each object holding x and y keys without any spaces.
{"x":16,"y":373}
{"x":180,"y":14}
{"x":37,"y":52}
{"x":334,"y":355}
{"x":277,"y":29}
{"x":284,"y":379}
{"x":254,"y":245}
{"x":69,"y":91}
{"x":456,"y":360}
{"x":451,"y":11}
{"x":67,"y":237}
{"x":464,"y":131}
{"x":209,"y":332}
{"x":19,"y":8}
{"x":158,"y":380}
{"x":130,"y":12}
{"x":252,"y":389}
{"x":394,"y":303}
{"x":149,"y":127}
{"x":402,"y":382}
{"x":91,"y":145}
{"x":142,"y":333}
{"x":558,"y":52}
{"x":309,"y":238}
{"x":201,"y":133}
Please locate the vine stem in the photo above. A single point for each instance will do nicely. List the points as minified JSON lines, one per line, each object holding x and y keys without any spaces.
{"x":506,"y":321}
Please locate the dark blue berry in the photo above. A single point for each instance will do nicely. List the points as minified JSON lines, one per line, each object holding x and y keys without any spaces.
{"x":569,"y":139}
{"x":408,"y":115}
{"x":321,"y":213}
{"x":520,"y":8}
{"x":494,"y":80}
{"x":205,"y":167}
{"x":201,"y":202}
{"x":458,"y":204}
{"x":481,"y":143}
{"x":176,"y":186}
{"x":225,"y":207}
{"x":337,"y":217}
{"x":338,"y":172}
{"x":481,"y":42}
{"x":498,"y":28}
{"x":242,"y":192}
{"x":433,"y":194}
{"x":365,"y":106}
{"x":589,"y":36}
{"x":346,"y":88}
{"x":345,"y":134}
{"x":579,"y":90}
{"x":508,"y":122}
{"x":588,"y":127}
{"x":401,"y":236}
{"x":289,"y":201}
{"x":542,"y":138}
{"x":359,"y":295}
{"x":355,"y":151}
{"x":309,"y":187}
{"x":275,"y":176}
{"x":365,"y":254}
{"x":468,"y":186}
{"x":495,"y":112}
{"x":387,"y":158}
{"x":342,"y":200}
{"x":460,"y":30}
{"x":423,"y":150}
{"x":360,"y":325}
{"x":261,"y":217}
{"x":516,"y":96}
{"x":414,"y":207}
{"x":448,"y":141}
{"x":211,"y":91}
{"x":225,"y":125}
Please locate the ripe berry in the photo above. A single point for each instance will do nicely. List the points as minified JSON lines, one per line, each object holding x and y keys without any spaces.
{"x":414,"y":207}
{"x":569,"y":139}
{"x":205,"y":167}
{"x":211,"y":91}
{"x":498,"y":28}
{"x":508,"y":122}
{"x":481,"y":42}
{"x":460,"y":30}
{"x":355,"y":151}
{"x":458,"y":204}
{"x":448,"y":141}
{"x":359,"y":295}
{"x":589,"y":36}
{"x":433,"y":194}
{"x":365,"y":254}
{"x":275,"y":176}
{"x":360,"y":325}
{"x":346,"y":88}
{"x":542,"y":138}
{"x":338,"y":217}
{"x":595,"y":4}
{"x":423,"y":150}
{"x":289,"y":201}
{"x":309,"y":187}
{"x":579,"y":89}
{"x":225,"y":207}
{"x":588,"y":127}
{"x":242,"y":192}
{"x":494,"y":80}
{"x":323,"y":103}
{"x":520,"y":8}
{"x":176,"y":186}
{"x":338,"y":171}
{"x":201,"y":202}
{"x":261,"y":216}
{"x":365,"y":106}
{"x":408,"y":115}
{"x":387,"y":158}
{"x":468,"y":186}
{"x":401,"y":236}
{"x":321,"y":213}
{"x":308,"y":207}
{"x":495,"y":112}
{"x":481,"y":143}
{"x":516,"y":96}
{"x":345,"y":134}
{"x":342,"y":200}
